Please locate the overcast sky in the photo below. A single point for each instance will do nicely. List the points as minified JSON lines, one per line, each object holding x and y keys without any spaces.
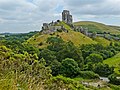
{"x":28,"y":15}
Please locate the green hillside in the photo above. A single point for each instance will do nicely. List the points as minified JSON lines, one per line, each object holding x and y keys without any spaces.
{"x":76,"y":37}
{"x":116,"y":27}
{"x":114,"y":61}
{"x":102,"y":41}
{"x":98,"y":27}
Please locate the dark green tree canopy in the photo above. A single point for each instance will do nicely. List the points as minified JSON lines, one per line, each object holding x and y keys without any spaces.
{"x":94,"y":58}
{"x":69,"y":67}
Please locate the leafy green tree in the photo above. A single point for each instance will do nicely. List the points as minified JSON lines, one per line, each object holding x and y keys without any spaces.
{"x":88,"y":75}
{"x":55,"y":67}
{"x":56,"y":43}
{"x":48,"y":55}
{"x":30,"y":49}
{"x":114,"y":80}
{"x":69,"y":68}
{"x":103,"y":69}
{"x":94,"y":58}
{"x":107,"y":53}
{"x":70,"y":51}
{"x":54,"y":40}
{"x":89,"y":66}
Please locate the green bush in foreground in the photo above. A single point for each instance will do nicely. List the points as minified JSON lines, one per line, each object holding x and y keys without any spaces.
{"x":69,"y":68}
{"x":63,"y":83}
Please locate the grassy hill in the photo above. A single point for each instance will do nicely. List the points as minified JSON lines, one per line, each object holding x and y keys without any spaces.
{"x":102,"y":41}
{"x":116,"y":27}
{"x":98,"y":27}
{"x":76,"y":37}
{"x":114,"y":61}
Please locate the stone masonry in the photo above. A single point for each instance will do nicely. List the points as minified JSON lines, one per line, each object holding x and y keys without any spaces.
{"x":66,"y":17}
{"x":54,"y":26}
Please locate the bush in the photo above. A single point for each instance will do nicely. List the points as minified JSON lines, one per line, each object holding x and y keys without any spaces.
{"x":103,"y":69}
{"x":59,"y":30}
{"x":94,"y":58}
{"x":69,"y":68}
{"x":64,"y":83}
{"x":114,"y":80}
{"x":88,"y":75}
{"x":41,"y":43}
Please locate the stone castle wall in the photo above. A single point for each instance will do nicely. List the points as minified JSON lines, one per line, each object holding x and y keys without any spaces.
{"x":66,"y":17}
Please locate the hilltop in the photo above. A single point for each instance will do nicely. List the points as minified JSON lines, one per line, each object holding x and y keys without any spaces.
{"x":76,"y":37}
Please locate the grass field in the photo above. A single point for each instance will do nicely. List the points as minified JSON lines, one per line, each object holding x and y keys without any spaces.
{"x":114,"y":61}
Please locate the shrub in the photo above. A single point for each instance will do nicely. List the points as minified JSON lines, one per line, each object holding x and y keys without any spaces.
{"x":41,"y":43}
{"x":69,"y":67}
{"x":88,"y":75}
{"x":94,"y":58}
{"x":103,"y":69}
{"x":114,"y":80}
{"x":64,"y":83}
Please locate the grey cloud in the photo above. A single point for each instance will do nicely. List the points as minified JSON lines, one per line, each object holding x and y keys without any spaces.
{"x":82,"y":2}
{"x":93,"y":7}
{"x":25,"y":15}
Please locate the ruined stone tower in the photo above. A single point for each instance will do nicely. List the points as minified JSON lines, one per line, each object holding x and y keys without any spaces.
{"x":66,"y":17}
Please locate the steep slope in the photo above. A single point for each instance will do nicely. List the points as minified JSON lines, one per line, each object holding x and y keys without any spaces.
{"x":39,"y":40}
{"x":102,"y":41}
{"x":98,"y":27}
{"x":114,"y":61}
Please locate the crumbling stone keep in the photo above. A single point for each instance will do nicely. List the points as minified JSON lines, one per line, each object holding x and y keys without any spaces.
{"x":66,"y":17}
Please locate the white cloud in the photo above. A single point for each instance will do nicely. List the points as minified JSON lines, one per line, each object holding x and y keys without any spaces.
{"x":25,"y":15}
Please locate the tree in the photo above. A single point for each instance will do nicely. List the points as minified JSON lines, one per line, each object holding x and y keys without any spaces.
{"x":91,"y":48}
{"x":56,"y":43}
{"x":94,"y":58}
{"x":114,"y":80}
{"x":69,"y":68}
{"x":70,"y":51}
{"x":48,"y":55}
{"x":55,"y":67}
{"x":103,"y":69}
{"x":88,"y":75}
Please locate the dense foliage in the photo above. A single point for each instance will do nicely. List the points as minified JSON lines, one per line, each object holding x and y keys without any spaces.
{"x":114,"y":79}
{"x":23,"y":66}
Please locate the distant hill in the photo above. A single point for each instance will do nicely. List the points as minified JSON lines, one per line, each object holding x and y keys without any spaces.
{"x":115,"y":27}
{"x":98,"y":27}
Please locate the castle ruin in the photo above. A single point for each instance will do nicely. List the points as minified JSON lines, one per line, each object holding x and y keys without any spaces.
{"x":66,"y":17}
{"x":55,"y":26}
